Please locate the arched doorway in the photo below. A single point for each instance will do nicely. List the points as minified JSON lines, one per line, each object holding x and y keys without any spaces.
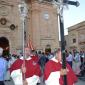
{"x":4,"y":43}
{"x":48,"y":48}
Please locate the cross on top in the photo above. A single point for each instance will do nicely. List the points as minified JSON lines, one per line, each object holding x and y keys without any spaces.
{"x":76,"y":3}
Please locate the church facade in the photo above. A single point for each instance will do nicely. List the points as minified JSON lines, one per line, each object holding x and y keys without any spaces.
{"x":41,"y":25}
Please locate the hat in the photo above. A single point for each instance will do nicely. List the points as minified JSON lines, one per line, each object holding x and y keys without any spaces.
{"x":1,"y":50}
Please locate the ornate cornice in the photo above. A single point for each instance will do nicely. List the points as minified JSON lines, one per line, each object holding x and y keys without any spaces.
{"x":76,"y":26}
{"x":6,"y":3}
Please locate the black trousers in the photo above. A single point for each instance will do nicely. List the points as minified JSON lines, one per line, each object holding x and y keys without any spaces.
{"x":70,"y":63}
{"x":2,"y":83}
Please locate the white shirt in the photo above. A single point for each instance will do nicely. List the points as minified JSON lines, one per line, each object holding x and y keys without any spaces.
{"x":69,"y":58}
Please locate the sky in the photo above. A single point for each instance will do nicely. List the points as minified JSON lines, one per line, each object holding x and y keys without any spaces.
{"x":73,"y":15}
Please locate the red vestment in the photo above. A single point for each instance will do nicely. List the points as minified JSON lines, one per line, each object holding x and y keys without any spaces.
{"x":32,"y":74}
{"x":35,"y":58}
{"x":52,"y":73}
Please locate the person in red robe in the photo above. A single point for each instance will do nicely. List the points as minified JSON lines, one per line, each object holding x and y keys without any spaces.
{"x":53,"y":73}
{"x":34,"y":56}
{"x":26,"y":71}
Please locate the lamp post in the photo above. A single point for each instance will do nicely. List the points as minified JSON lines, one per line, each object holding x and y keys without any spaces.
{"x":60,"y":4}
{"x":23,"y":13}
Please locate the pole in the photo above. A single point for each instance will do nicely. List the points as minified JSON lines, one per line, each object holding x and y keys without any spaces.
{"x":62,"y":44}
{"x":23,"y":12}
{"x":23,"y":39}
{"x":60,"y":3}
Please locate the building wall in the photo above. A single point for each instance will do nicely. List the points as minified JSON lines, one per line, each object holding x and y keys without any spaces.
{"x":81,"y":38}
{"x":44,"y":25}
{"x":9,"y":11}
{"x":66,"y":42}
{"x":77,"y":32}
{"x":41,"y":24}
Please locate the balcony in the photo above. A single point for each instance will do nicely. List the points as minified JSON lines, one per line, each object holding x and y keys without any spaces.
{"x":82,"y":43}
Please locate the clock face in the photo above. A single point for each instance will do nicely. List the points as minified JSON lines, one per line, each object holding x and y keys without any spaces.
{"x":46,"y":16}
{"x":3,"y":10}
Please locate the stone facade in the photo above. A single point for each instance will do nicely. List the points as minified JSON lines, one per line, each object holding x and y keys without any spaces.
{"x":76,"y":37}
{"x":66,"y":42}
{"x":41,"y":24}
{"x":10,"y":24}
{"x":44,"y":25}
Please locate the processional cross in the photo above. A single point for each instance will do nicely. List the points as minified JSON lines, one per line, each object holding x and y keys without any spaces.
{"x":60,"y":4}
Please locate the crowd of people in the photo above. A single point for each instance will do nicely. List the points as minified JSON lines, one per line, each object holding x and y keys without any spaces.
{"x":37,"y":67}
{"x":76,"y":60}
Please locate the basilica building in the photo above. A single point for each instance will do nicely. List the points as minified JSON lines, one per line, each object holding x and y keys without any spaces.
{"x":41,"y":25}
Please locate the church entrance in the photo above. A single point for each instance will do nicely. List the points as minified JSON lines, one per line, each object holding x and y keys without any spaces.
{"x":4,"y":43}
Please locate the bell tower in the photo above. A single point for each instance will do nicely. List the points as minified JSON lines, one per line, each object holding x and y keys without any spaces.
{"x":43,"y":24}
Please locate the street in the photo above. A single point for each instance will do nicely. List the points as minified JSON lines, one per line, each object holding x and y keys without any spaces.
{"x":78,"y":83}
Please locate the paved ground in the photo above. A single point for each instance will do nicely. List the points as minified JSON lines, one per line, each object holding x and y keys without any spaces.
{"x":78,"y":83}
